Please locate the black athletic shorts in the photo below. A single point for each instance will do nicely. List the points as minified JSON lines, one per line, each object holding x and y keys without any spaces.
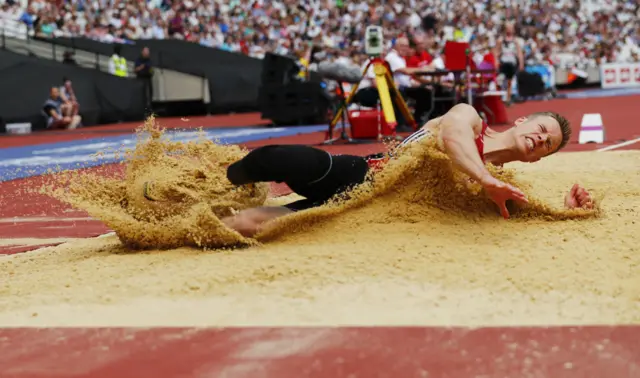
{"x":310,"y":172}
{"x":509,"y":70}
{"x":344,"y":172}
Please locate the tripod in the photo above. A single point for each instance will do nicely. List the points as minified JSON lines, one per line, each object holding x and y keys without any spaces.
{"x":385,"y":87}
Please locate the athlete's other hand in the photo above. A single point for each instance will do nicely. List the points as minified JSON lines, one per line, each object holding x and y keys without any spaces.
{"x":500,"y":192}
{"x":578,"y":197}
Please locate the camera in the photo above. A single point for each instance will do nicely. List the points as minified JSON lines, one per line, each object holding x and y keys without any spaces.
{"x":430,"y":24}
{"x":373,"y":40}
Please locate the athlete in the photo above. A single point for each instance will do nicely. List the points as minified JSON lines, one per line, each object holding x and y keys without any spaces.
{"x":461,"y":134}
{"x":510,"y":53}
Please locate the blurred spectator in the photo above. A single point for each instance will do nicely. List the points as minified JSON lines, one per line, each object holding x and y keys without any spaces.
{"x":402,"y":75}
{"x":144,"y":71}
{"x":568,"y":33}
{"x":509,"y":53}
{"x":69,"y":58}
{"x":69,"y":102}
{"x":29,"y":16}
{"x":420,"y":56}
{"x":57,"y":117}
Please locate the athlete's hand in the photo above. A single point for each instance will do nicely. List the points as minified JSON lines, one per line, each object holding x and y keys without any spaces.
{"x":500,"y":192}
{"x":578,"y":197}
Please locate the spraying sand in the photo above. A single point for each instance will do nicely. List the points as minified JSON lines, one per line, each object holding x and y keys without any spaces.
{"x":421,"y":246}
{"x":187,"y":182}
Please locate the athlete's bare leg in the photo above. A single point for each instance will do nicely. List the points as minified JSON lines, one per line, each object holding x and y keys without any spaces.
{"x":509,"y":90}
{"x":250,"y":221}
{"x":292,"y":164}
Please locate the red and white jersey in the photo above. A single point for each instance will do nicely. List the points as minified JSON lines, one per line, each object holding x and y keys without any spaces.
{"x":377,"y":160}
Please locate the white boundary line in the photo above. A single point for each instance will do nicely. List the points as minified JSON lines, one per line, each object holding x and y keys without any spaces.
{"x":43,"y":219}
{"x":41,"y":249}
{"x":23,"y":242}
{"x":619,"y":145}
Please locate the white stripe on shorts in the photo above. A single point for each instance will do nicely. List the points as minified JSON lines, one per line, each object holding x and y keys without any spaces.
{"x":418,"y":135}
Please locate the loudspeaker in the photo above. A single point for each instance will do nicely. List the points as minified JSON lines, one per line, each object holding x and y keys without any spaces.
{"x":297,"y":103}
{"x":429,"y":23}
{"x":287,"y":101}
{"x":278,"y":69}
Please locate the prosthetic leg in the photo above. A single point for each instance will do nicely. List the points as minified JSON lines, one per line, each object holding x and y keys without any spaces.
{"x":386,"y":88}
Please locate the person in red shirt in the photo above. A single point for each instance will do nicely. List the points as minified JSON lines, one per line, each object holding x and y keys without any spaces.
{"x":489,"y":58}
{"x":420,"y":57}
{"x":244,"y":46}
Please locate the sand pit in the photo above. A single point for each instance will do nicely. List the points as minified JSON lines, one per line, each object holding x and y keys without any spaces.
{"x":395,"y":260}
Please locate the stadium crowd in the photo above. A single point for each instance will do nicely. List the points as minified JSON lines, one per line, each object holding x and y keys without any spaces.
{"x":563,"y":32}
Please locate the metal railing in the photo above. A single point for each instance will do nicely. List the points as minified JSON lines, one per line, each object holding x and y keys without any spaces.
{"x":16,"y":37}
{"x":168,"y":85}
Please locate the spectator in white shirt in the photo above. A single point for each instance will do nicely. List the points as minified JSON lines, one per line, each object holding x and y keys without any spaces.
{"x":398,"y":65}
{"x":402,"y":76}
{"x":368,"y":96}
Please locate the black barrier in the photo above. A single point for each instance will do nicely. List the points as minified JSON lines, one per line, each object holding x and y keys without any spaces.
{"x":285,"y":100}
{"x":233,"y":78}
{"x":103,"y":98}
{"x":294,"y":104}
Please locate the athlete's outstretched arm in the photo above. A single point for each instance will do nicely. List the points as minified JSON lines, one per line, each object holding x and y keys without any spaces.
{"x":458,"y":131}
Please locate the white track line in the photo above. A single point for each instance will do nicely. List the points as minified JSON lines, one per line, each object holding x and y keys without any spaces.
{"x":619,"y":145}
{"x":21,"y":242}
{"x":42,"y":219}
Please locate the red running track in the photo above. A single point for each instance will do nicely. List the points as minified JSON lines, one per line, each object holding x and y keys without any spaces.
{"x":557,"y":352}
{"x":565,"y":352}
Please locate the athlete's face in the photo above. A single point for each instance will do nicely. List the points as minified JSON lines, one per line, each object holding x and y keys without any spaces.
{"x":537,"y":137}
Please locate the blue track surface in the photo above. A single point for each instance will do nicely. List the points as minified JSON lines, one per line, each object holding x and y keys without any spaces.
{"x":20,"y":162}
